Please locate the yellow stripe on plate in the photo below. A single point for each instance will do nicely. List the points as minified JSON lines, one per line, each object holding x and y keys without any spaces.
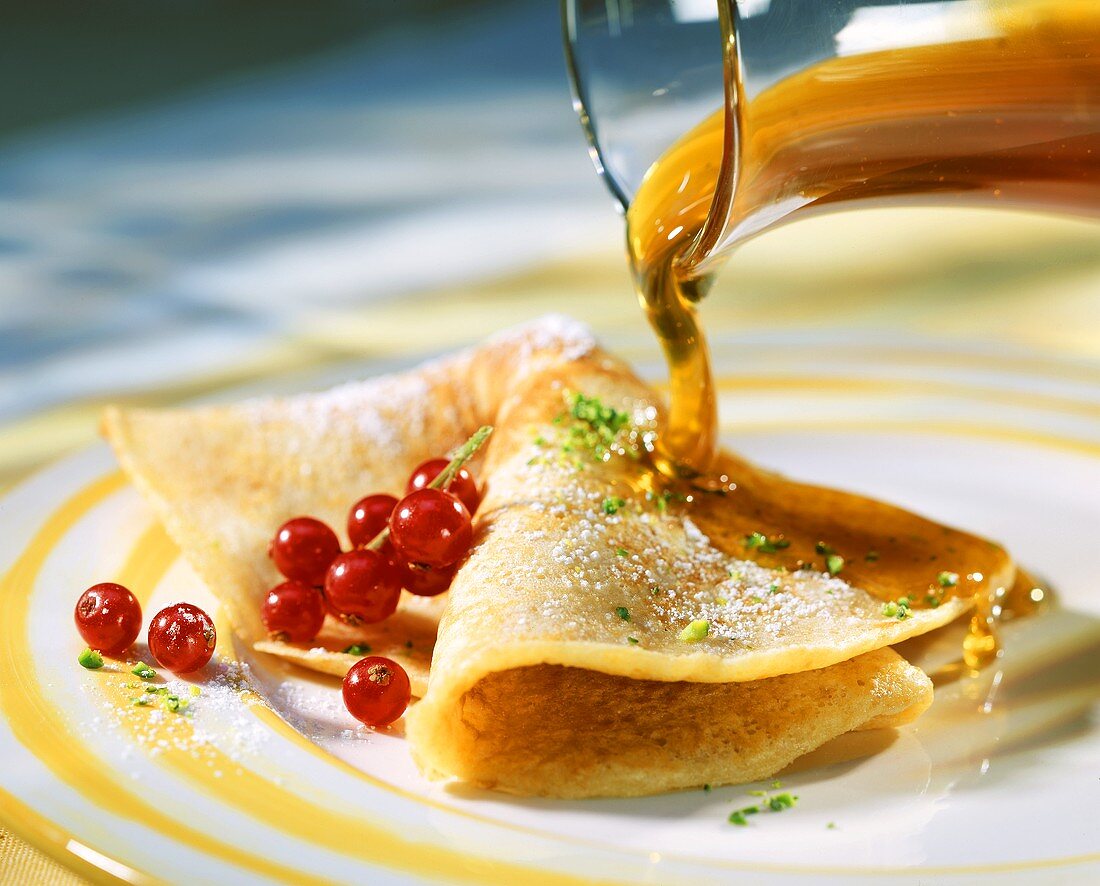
{"x":39,"y":727}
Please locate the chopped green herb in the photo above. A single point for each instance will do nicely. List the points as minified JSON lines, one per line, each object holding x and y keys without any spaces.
{"x":757,"y":541}
{"x":871,"y":556}
{"x":611,"y":505}
{"x":834,"y":563}
{"x":735,"y":574}
{"x":633,"y":641}
{"x":653,"y":592}
{"x":623,"y":613}
{"x":622,"y":552}
{"x":773,"y":587}
{"x":141,"y":669}
{"x":357,"y":649}
{"x":157,"y":690}
{"x":831,"y":825}
{"x":933,"y":601}
{"x":706,"y":788}
{"x":823,"y":548}
{"x":776,"y":785}
{"x":540,"y":440}
{"x":948,"y":579}
{"x":90,"y":659}
{"x":141,"y":701}
{"x":756,"y":599}
{"x":695,"y":631}
{"x":174,"y":703}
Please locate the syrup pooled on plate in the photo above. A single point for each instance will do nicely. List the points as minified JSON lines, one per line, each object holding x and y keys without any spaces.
{"x":1007,"y":118}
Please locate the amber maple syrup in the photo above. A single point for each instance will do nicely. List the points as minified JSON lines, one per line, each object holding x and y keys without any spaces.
{"x":1007,"y":120}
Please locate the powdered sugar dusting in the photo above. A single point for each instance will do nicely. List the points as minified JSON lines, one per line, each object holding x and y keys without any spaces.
{"x":212,"y":725}
{"x":552,"y":332}
{"x":595,"y":553}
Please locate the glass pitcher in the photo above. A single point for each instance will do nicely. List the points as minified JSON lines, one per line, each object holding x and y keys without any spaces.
{"x":816,"y":104}
{"x":715,"y":120}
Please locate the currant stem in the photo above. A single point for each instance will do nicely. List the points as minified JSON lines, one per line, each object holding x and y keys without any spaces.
{"x":461,"y":456}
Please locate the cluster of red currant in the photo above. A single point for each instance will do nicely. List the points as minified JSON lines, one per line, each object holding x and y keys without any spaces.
{"x":181,"y":637}
{"x":414,"y":543}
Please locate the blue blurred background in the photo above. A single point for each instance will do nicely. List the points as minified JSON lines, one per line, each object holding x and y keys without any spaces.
{"x":204,"y":198}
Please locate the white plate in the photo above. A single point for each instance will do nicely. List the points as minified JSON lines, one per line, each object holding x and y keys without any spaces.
{"x":999,"y":782}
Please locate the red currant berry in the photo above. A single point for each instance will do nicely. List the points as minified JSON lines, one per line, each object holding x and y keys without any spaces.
{"x":376,"y":691}
{"x":303,"y":548}
{"x":431,"y":527}
{"x":108,"y":617}
{"x":368,"y":517}
{"x":362,"y":586}
{"x":182,"y":638}
{"x":462,"y":485}
{"x":293,"y":612}
{"x":427,"y":582}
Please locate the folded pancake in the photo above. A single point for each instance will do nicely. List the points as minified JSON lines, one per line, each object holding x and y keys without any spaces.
{"x":223,"y":478}
{"x":611,"y":633}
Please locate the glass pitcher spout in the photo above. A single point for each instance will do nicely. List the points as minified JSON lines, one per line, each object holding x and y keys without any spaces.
{"x":713,"y":122}
{"x":993,"y":102}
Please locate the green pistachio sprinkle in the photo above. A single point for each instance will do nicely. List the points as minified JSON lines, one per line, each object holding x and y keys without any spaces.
{"x":757,"y":541}
{"x":596,"y":427}
{"x":834,"y":563}
{"x":141,"y":669}
{"x":898,"y":609}
{"x":623,"y":613}
{"x":948,"y":579}
{"x":611,"y":505}
{"x":141,"y":701}
{"x":633,"y":641}
{"x":739,"y":816}
{"x":706,"y":788}
{"x":357,"y":649}
{"x":782,"y":801}
{"x":622,"y":552}
{"x":90,"y":659}
{"x":933,"y":601}
{"x":695,"y":631}
{"x":174,"y":703}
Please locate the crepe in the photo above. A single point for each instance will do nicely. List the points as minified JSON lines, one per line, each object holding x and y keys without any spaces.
{"x":610,"y":634}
